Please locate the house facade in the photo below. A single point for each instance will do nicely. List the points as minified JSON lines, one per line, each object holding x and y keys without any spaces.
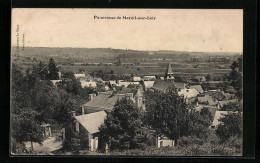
{"x":88,"y":125}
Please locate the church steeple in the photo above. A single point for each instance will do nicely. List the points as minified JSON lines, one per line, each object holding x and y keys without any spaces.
{"x":169,"y":73}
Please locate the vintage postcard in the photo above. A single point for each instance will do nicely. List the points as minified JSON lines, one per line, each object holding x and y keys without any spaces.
{"x":126,"y":82}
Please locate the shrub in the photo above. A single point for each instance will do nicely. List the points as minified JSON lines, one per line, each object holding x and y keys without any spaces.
{"x":190,"y":141}
{"x":71,"y":144}
{"x":17,"y":148}
{"x":232,"y":126}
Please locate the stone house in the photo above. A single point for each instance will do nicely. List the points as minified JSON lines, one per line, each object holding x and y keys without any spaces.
{"x":106,"y":100}
{"x":89,"y":124}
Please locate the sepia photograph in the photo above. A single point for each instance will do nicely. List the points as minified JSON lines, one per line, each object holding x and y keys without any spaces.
{"x":126,"y":82}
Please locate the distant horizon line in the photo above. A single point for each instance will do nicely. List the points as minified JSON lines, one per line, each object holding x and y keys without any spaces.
{"x":130,"y":49}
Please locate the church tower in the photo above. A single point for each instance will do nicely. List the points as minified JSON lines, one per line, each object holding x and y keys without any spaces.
{"x":169,"y":73}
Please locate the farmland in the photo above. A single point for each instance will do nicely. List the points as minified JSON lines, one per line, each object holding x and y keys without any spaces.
{"x":128,"y":61}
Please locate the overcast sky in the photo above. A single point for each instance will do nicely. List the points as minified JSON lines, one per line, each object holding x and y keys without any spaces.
{"x":180,"y":30}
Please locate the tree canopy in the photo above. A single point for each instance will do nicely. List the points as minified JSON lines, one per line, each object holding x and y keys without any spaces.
{"x":53,"y":70}
{"x":167,"y":113}
{"x":122,"y":127}
{"x":199,"y":123}
{"x":35,"y":101}
{"x":235,"y":77}
{"x":231,"y":126}
{"x":70,"y":83}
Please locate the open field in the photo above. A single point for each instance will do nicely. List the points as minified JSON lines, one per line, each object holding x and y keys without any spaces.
{"x":132,"y":62}
{"x":141,"y":69}
{"x":145,"y":70}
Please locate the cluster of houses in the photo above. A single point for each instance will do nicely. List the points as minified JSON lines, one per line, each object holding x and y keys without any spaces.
{"x":93,"y":113}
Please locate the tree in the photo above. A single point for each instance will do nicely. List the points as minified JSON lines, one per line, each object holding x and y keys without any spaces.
{"x":26,"y":127}
{"x":208,"y":77}
{"x":35,"y":101}
{"x":199,"y":123}
{"x":157,"y":76}
{"x":118,"y":62}
{"x":53,"y":70}
{"x":84,"y":92}
{"x":235,"y":77}
{"x":41,"y":71}
{"x":70,"y":83}
{"x":122,"y":127}
{"x":81,"y":70}
{"x":64,"y":104}
{"x":231,"y":126}
{"x":167,"y":113}
{"x":24,"y":123}
{"x":205,"y":86}
{"x":231,"y":107}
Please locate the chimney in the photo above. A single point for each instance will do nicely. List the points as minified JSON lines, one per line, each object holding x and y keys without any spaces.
{"x":91,"y":96}
{"x":59,"y":73}
{"x":82,"y":110}
{"x":73,"y":113}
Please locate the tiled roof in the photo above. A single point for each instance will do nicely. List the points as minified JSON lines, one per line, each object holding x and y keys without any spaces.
{"x":163,"y":85}
{"x":125,"y":90}
{"x":179,"y":85}
{"x":121,"y":83}
{"x":225,"y":102}
{"x":91,"y":122}
{"x":219,"y":95}
{"x":198,"y":88}
{"x":88,"y":77}
{"x":78,"y":75}
{"x":148,"y":84}
{"x":98,"y":79}
{"x":188,"y":93}
{"x":104,"y":101}
{"x":199,"y":77}
{"x":229,"y":96}
{"x":208,"y":99}
{"x":149,"y":77}
{"x":112,"y":82}
{"x":88,"y":84}
{"x":136,"y":78}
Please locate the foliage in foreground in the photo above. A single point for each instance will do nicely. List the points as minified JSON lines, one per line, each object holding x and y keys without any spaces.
{"x":35,"y":101}
{"x":194,"y":147}
{"x":122,"y":127}
{"x":167,"y":113}
{"x":231,"y":126}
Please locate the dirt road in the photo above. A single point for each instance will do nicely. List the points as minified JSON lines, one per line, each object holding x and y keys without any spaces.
{"x":48,"y":145}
